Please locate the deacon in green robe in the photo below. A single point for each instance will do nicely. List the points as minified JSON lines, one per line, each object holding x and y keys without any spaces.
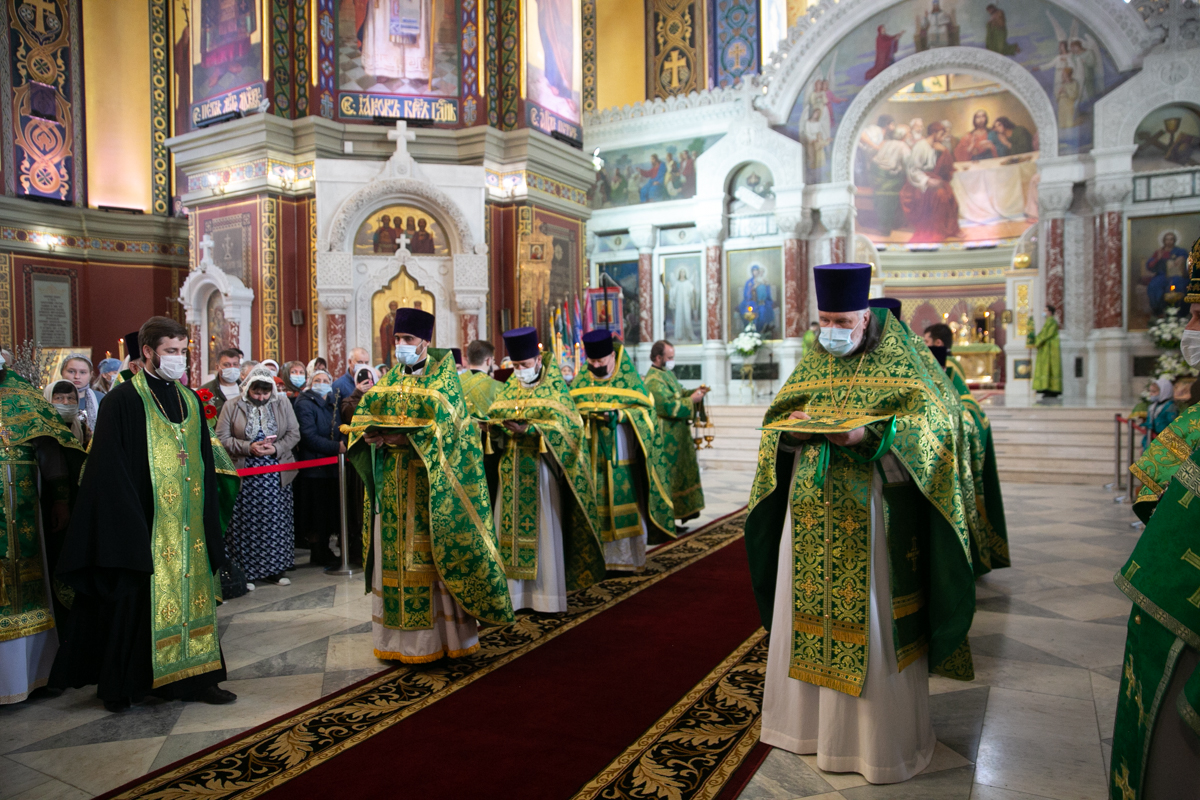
{"x":674,"y":406}
{"x":545,"y":510}
{"x":479,"y":390}
{"x":145,"y":541}
{"x":1156,"y":739}
{"x":633,"y":489}
{"x":39,"y":456}
{"x":433,"y":565}
{"x":870,"y":586}
{"x":1047,"y":364}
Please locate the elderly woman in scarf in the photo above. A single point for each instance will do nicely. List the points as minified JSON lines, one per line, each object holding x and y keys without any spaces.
{"x":65,"y":398}
{"x":259,"y":429}
{"x":1161,"y":410}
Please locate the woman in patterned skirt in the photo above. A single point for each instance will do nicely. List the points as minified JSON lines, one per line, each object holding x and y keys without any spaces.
{"x":259,"y":429}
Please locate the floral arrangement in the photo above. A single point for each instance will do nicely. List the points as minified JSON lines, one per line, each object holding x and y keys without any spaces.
{"x":1171,"y":365}
{"x":210,"y":407}
{"x":747,"y":343}
{"x":1167,"y":330}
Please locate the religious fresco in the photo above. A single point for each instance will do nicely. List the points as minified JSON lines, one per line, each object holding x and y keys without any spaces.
{"x":755,"y":280}
{"x":676,"y":63}
{"x":398,"y":48}
{"x":1060,"y":51}
{"x":402,"y":291}
{"x":214,"y":318}
{"x":226,"y":44}
{"x":1168,"y":139}
{"x":233,"y":244}
{"x":625,"y":275}
{"x":1158,"y":251}
{"x":553,"y":34}
{"x":948,"y":159}
{"x":683,"y":298}
{"x":650,"y":173}
{"x":752,"y":190}
{"x":380,"y":234}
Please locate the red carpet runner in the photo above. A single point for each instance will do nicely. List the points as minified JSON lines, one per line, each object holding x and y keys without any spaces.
{"x":542,"y":726}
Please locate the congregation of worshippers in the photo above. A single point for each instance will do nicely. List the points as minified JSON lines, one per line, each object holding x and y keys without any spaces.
{"x":875,"y":505}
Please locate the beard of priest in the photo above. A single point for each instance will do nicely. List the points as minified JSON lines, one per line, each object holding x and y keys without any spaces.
{"x":855,"y":620}
{"x":144,"y":542}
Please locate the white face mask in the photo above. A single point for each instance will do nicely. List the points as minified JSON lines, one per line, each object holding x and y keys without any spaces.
{"x":171,"y":368}
{"x":527,"y":375}
{"x":838,"y":341}
{"x":406,"y":354}
{"x":1189,"y":347}
{"x":231,"y":374}
{"x":68,"y":413}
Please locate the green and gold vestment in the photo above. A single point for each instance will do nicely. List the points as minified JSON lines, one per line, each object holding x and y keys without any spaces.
{"x":183,"y":589}
{"x":25,"y":416}
{"x":555,"y":424}
{"x":1163,"y":457}
{"x":479,"y":391}
{"x":1162,"y":578}
{"x":829,"y":496}
{"x":431,"y":497}
{"x":673,"y":404}
{"x":605,"y":404}
{"x":1047,"y":363}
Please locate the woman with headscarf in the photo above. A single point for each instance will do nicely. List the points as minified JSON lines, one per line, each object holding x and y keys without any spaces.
{"x":259,"y":429}
{"x":65,"y":398}
{"x":106,"y":371}
{"x":317,"y":503}
{"x":295,"y":379}
{"x":1162,"y":410}
{"x":78,"y":370}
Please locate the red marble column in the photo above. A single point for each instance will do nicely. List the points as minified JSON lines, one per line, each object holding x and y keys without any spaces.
{"x":335,"y":343}
{"x":837,"y":250}
{"x":712,"y":277}
{"x":198,"y":351}
{"x":1107,"y":269}
{"x":468,"y":328}
{"x":646,"y":296}
{"x":795,"y":290}
{"x":1054,"y":266}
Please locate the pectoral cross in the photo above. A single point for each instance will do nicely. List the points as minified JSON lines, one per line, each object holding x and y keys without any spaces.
{"x":673,"y":65}
{"x":737,"y":51}
{"x":40,"y":7}
{"x":914,"y":554}
{"x":182,"y":455}
{"x":1194,"y":560}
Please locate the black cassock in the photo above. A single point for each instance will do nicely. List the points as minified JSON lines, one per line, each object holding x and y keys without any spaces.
{"x":106,"y":557}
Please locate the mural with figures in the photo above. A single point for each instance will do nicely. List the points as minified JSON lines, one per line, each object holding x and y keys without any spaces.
{"x":1168,"y":139}
{"x":649,"y":174}
{"x":1060,"y":51}
{"x":1158,"y":252}
{"x":755,"y":297}
{"x":226,"y":57}
{"x":404,"y":47}
{"x":951,"y":158}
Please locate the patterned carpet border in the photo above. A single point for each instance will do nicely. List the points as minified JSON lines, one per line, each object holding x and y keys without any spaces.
{"x":694,"y":749}
{"x":264,"y":758}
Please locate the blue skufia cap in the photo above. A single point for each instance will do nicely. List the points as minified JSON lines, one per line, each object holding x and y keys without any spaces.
{"x":414,"y":322}
{"x":598,"y":344}
{"x":890,"y":303}
{"x":939,"y":352}
{"x":521,"y":343}
{"x":842,"y":287}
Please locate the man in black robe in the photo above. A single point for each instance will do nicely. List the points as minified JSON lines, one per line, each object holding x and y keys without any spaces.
{"x":118,"y":561}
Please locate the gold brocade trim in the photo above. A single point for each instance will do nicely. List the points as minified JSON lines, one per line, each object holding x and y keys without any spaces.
{"x":1177,"y":446}
{"x":412,"y":577}
{"x":1154,"y":610}
{"x":184,"y":674}
{"x":27,"y":624}
{"x":840,"y":630}
{"x":516,"y":405}
{"x":910,"y":653}
{"x":590,"y":390}
{"x":1188,"y":474}
{"x":817,"y":677}
{"x":908,"y":604}
{"x":1146,"y":481}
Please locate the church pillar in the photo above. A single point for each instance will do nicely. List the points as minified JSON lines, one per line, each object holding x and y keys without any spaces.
{"x":712,"y":234}
{"x":335,"y":334}
{"x":1054,"y":200}
{"x":1110,"y":250}
{"x":643,"y":237}
{"x":835,"y":201}
{"x":795,"y":271}
{"x":197,"y":347}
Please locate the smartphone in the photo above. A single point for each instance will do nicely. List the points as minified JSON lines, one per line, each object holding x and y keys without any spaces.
{"x":363,"y":374}
{"x":269,"y":439}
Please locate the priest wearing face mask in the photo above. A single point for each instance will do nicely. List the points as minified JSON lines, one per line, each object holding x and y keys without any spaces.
{"x":145,"y":540}
{"x":674,"y":406}
{"x":858,"y":543}
{"x":545,"y":511}
{"x":633,"y":484}
{"x":432,"y":563}
{"x":1156,"y":737}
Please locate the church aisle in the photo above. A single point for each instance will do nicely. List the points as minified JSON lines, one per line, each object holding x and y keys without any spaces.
{"x":284,"y":646}
{"x":1048,"y":637}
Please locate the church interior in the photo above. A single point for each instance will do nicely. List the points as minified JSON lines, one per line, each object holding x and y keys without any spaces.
{"x":288,"y":178}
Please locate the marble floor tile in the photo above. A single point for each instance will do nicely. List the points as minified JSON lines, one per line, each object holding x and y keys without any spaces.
{"x":1008,"y":673}
{"x":957,"y":719}
{"x":353,"y":652}
{"x":16,"y":778}
{"x":1001,"y":646}
{"x":318,"y":598}
{"x":981,"y":792}
{"x":1079,"y":603}
{"x":34,"y":720}
{"x":1071,"y":549}
{"x":944,"y":758}
{"x":52,"y":790}
{"x":1072,"y":573}
{"x":259,"y":700}
{"x":95,"y":768}
{"x":298,"y":661}
{"x":152,"y":717}
{"x":182,"y":745}
{"x":336,"y":681}
{"x":951,"y":784}
{"x":784,"y":775}
{"x":1104,"y":694}
{"x":837,"y":780}
{"x":1079,"y":643}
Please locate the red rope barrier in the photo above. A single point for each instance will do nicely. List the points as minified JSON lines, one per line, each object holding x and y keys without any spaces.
{"x":1136,"y":427}
{"x":316,"y":462}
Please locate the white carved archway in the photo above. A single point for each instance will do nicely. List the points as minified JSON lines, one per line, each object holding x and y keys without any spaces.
{"x":194,"y":294}
{"x":970,"y":60}
{"x":1172,"y":78}
{"x":355,"y":209}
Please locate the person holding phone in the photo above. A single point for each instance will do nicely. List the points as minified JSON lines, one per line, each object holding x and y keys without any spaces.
{"x":259,"y":429}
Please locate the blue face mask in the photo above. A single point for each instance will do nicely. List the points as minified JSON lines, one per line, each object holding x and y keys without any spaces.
{"x":406,"y":354}
{"x":838,"y":341}
{"x":297,"y":380}
{"x":322,"y":389}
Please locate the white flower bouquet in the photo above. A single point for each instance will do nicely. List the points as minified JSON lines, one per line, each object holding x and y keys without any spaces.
{"x":746,"y":343}
{"x":1167,"y":330}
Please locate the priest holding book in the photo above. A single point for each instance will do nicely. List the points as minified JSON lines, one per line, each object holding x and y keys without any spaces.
{"x":858,"y":543}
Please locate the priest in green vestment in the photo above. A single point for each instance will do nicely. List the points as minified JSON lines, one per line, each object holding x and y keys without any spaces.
{"x":1156,"y":739}
{"x":39,"y":460}
{"x":674,"y":406}
{"x":479,"y":390}
{"x":145,"y":541}
{"x":633,"y":489}
{"x":431,"y":557}
{"x":1047,"y":363}
{"x":545,"y":508}
{"x":859,"y":544}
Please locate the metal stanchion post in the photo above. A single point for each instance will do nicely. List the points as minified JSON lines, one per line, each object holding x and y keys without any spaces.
{"x":1116,"y":485}
{"x":1132,"y":458}
{"x":345,"y":569}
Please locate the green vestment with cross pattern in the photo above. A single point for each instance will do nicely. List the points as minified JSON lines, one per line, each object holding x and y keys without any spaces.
{"x":673,"y":404}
